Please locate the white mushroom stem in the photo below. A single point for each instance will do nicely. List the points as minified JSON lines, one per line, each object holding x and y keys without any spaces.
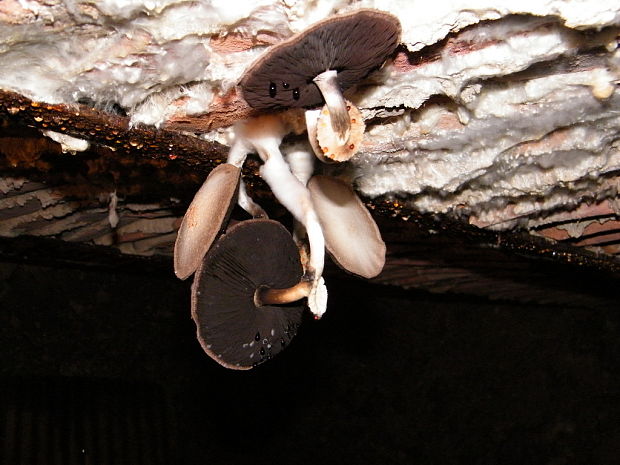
{"x":301,"y":162}
{"x":246,"y":202}
{"x":294,"y":196}
{"x":328,"y":85}
{"x":238,"y":150}
{"x":236,"y":156}
{"x":265,"y":134}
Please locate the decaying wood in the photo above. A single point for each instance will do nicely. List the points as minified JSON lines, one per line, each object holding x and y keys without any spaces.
{"x":111,"y":130}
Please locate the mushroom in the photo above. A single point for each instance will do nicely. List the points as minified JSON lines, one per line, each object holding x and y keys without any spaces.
{"x":252,"y":269}
{"x":264,"y":133}
{"x":324,"y":141}
{"x":204,"y":218}
{"x":318,"y":64}
{"x":351,"y":235}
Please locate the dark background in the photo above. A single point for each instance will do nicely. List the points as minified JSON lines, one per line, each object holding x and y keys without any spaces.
{"x":102,"y":366}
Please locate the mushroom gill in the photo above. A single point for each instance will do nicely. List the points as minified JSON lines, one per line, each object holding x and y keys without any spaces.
{"x":318,"y":64}
{"x":232,"y":328}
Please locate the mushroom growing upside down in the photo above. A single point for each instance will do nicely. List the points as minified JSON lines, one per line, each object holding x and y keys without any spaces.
{"x":244,"y":318}
{"x":316,"y":65}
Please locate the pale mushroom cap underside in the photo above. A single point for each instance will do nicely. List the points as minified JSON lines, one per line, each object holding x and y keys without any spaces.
{"x":351,"y":234}
{"x":205,"y":218}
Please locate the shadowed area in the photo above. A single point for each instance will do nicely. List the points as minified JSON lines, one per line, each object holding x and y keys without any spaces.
{"x":387,"y":376}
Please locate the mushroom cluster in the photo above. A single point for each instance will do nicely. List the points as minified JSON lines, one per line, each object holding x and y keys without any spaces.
{"x":251,"y":279}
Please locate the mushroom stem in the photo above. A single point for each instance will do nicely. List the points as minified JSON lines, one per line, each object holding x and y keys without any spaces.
{"x":328,"y":85}
{"x":239,"y":150}
{"x":295,"y":197}
{"x":265,"y":135}
{"x":301,"y":162}
{"x":271,"y":296}
{"x":246,"y":202}
{"x":236,"y":156}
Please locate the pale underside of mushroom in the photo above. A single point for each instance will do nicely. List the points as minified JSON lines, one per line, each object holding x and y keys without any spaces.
{"x":205,"y":218}
{"x":351,"y":235}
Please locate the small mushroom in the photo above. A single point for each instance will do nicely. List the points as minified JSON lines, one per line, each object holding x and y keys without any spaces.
{"x":351,"y":234}
{"x":318,"y":64}
{"x":205,"y":218}
{"x":327,"y":147}
{"x":239,"y":290}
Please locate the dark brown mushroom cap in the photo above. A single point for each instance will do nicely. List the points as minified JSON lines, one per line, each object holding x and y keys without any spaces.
{"x":231,"y":329}
{"x":353,"y":44}
{"x":205,"y":217}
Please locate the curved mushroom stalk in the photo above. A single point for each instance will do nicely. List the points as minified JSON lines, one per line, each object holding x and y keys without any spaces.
{"x":351,"y":234}
{"x":246,"y":202}
{"x":301,"y":162}
{"x":265,"y":295}
{"x":236,"y":157}
{"x":327,"y":83}
{"x":205,"y":218}
{"x":265,"y":134}
{"x":294,"y":196}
